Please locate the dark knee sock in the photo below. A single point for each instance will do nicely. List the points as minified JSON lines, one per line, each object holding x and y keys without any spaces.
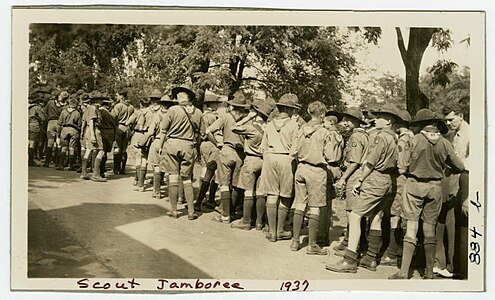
{"x":157,"y":180}
{"x":297,"y":224}
{"x":407,"y":254}
{"x":430,"y":245}
{"x":392,"y":246}
{"x":260,"y":208}
{"x":173,"y":191}
{"x":225,"y":203}
{"x":203,"y":188}
{"x":123,"y":161}
{"x":116,"y":162}
{"x":374,"y":242}
{"x":94,"y":154}
{"x":248,"y":206}
{"x":213,"y":191}
{"x":142,"y":175}
{"x":363,"y":241}
{"x":313,"y":228}
{"x":271,"y":213}
{"x":189,"y":195}
{"x":282,"y":214}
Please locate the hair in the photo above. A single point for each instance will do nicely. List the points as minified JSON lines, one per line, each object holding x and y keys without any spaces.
{"x":453,"y":107}
{"x":123,"y":94}
{"x":73,"y":102}
{"x":317,"y":109}
{"x":332,"y":119}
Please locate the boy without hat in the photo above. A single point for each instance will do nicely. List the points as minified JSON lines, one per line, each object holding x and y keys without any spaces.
{"x":122,"y":111}
{"x":36,"y":120}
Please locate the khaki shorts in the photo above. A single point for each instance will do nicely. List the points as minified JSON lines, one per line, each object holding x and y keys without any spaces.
{"x":277,"y":177}
{"x":51,"y":129}
{"x":34,"y":132}
{"x":422,"y":199}
{"x":350,"y":199}
{"x":396,"y":208}
{"x":98,"y":145}
{"x":154,"y":153}
{"x":178,"y":157}
{"x":375,"y":196}
{"x":249,"y":176}
{"x":310,"y":185}
{"x":69,"y":137}
{"x":229,"y":165}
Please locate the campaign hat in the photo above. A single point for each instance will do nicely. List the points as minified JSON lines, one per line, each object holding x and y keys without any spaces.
{"x":334,"y":113}
{"x":238,"y":101}
{"x":289,"y":100}
{"x":97,"y":95}
{"x":63,"y":96}
{"x":265,"y":108}
{"x":405,"y":116}
{"x":211,"y":98}
{"x":183,"y":89}
{"x":166,"y":100}
{"x":354,"y":113}
{"x":155,"y":95}
{"x":427,"y":115}
{"x":387,"y":109}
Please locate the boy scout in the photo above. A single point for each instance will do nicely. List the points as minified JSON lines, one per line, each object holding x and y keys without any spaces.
{"x":230,"y":158}
{"x":154,"y":156}
{"x":69,"y":124}
{"x":136,"y":135}
{"x":44,"y":96}
{"x":315,"y":152}
{"x":83,"y":138}
{"x":430,"y":155}
{"x":122,"y":111}
{"x":404,"y":143}
{"x":252,"y":127}
{"x":277,"y":177}
{"x":94,"y":141}
{"x":108,"y":126}
{"x":52,"y":111}
{"x":373,"y":189}
{"x":142,"y":127}
{"x":209,"y":153}
{"x":179,"y":133}
{"x":354,"y":155}
{"x":36,"y":119}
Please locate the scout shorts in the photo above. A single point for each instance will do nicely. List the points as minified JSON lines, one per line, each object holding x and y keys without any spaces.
{"x":229,"y":163}
{"x":51,"y":129}
{"x":209,"y":152}
{"x":395,"y":209}
{"x":154,"y":153}
{"x":34,"y":132}
{"x":178,"y":157}
{"x":422,"y":199}
{"x":69,"y":137}
{"x":133,"y":151}
{"x":350,"y":199}
{"x":375,"y":196}
{"x":310,"y":185}
{"x":122,"y":137}
{"x":90,"y":145}
{"x":250,"y":173}
{"x":277,"y":177}
{"x":108,"y":136}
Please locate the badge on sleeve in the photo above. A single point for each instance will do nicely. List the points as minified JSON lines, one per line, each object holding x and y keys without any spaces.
{"x":354,"y":144}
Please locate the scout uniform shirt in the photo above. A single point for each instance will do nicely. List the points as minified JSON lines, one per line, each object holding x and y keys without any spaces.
{"x":280,"y":136}
{"x":382,"y":154}
{"x":404,"y":145}
{"x":356,"y":148}
{"x":430,"y":154}
{"x":144,"y":120}
{"x":316,"y":147}
{"x":176,"y":125}
{"x":36,"y":117}
{"x":53,"y":110}
{"x":253,"y":133}
{"x":122,"y":113}
{"x":70,"y":119}
{"x":209,"y":117}
{"x":225,"y":123}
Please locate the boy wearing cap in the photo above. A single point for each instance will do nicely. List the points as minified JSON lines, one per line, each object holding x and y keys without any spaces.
{"x":122,"y":111}
{"x":84,"y":117}
{"x":404,"y":145}
{"x":92,"y":134}
{"x":354,"y":156}
{"x":231,"y":156}
{"x":69,"y":124}
{"x":252,"y":127}
{"x":180,"y":130}
{"x":52,"y":111}
{"x":277,"y":177}
{"x":373,"y":190}
{"x":143,"y":143}
{"x":315,"y":153}
{"x":36,"y":119}
{"x":136,"y":135}
{"x":430,"y":155}
{"x":209,"y":153}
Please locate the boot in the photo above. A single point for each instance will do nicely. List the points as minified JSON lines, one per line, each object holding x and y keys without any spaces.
{"x":313,"y":248}
{"x":31,"y":157}
{"x":61,"y":161}
{"x":84,"y":173}
{"x":48,"y":157}
{"x":116,"y":163}
{"x":96,"y":172}
{"x":123,"y":163}
{"x":203,"y":188}
{"x":156,"y":185}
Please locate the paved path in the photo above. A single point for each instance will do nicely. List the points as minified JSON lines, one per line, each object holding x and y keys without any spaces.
{"x":81,"y":228}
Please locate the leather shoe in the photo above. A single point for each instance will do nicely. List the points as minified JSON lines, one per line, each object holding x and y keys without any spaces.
{"x":387,"y":261}
{"x":397,"y":276}
{"x":342,"y":266}
{"x":221,"y":219}
{"x":284,"y":235}
{"x":192,"y":216}
{"x":173,"y":214}
{"x":315,"y":250}
{"x":239,"y":224}
{"x":339,"y":247}
{"x":368,"y":262}
{"x":98,"y":179}
{"x":294,"y":246}
{"x":271,"y":237}
{"x":259,"y":226}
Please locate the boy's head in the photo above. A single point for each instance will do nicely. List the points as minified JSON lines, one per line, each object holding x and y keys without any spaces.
{"x":330,"y":122}
{"x":386,"y":116}
{"x":453,"y":116}
{"x":317,"y":110}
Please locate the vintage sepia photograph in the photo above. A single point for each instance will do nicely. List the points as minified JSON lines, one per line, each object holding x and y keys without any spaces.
{"x":171,"y":150}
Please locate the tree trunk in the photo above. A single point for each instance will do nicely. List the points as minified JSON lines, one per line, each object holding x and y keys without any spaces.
{"x":200,"y":90}
{"x":419,"y":39}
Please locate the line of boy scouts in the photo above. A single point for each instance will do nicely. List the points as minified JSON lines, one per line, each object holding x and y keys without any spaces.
{"x":270,"y":166}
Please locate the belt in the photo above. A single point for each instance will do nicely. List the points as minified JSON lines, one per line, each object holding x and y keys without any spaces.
{"x":72,"y":126}
{"x":388,"y":171}
{"x":254,"y":155}
{"x":124,"y":124}
{"x":422,"y":179}
{"x":313,"y":165}
{"x":140,"y":131}
{"x":178,"y":138}
{"x":278,"y":153}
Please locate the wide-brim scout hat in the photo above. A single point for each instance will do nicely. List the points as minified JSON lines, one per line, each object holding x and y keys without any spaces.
{"x":167,"y":101}
{"x":264,"y":108}
{"x":183,"y":89}
{"x":155,"y":95}
{"x":97,"y":96}
{"x":256,"y":103}
{"x":336,"y":114}
{"x":289,"y":100}
{"x":387,"y":109}
{"x":355,"y":113}
{"x":239,"y":101}
{"x":211,"y":98}
{"x":405,"y":116}
{"x":427,"y":115}
{"x":35,"y":98}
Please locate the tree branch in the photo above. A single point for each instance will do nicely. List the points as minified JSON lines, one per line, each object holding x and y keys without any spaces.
{"x":400,"y":43}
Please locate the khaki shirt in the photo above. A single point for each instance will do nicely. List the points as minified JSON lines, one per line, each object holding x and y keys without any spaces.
{"x":356,"y":148}
{"x":280,"y":136}
{"x":225,"y":123}
{"x":209,"y":117}
{"x":122,"y":112}
{"x":317,"y":146}
{"x":145,"y":119}
{"x":175,"y":123}
{"x":404,"y":145}
{"x":253,"y":134}
{"x":36,"y":114}
{"x":382,"y":154}
{"x":461,"y":143}
{"x":72,"y":119}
